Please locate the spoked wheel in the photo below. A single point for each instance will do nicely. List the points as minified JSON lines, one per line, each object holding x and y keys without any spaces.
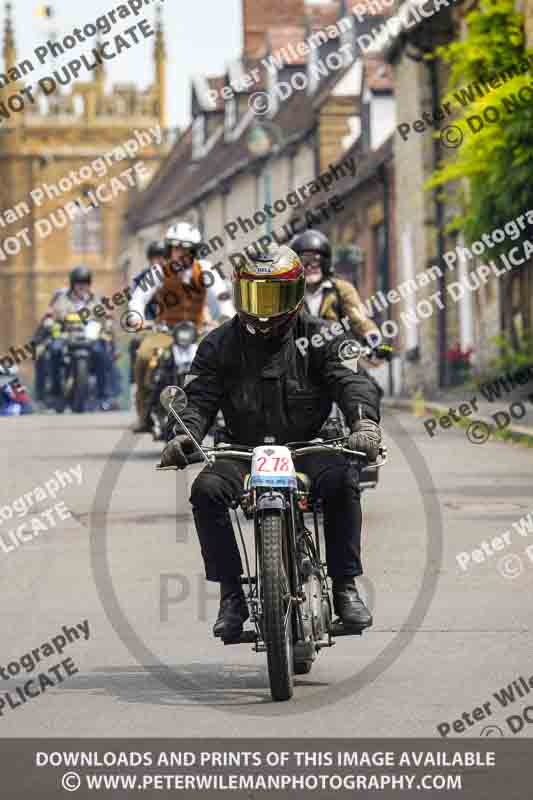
{"x":277,"y":607}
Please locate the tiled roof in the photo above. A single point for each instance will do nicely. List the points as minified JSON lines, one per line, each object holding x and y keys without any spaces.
{"x":181,"y":183}
{"x":295,"y":118}
{"x":367,"y":165}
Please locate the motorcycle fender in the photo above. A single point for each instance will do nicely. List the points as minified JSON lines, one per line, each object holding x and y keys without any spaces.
{"x":270,"y":501}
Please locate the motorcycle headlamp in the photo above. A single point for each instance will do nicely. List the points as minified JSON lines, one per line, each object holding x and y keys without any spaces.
{"x":183,"y":338}
{"x":184,"y":334}
{"x":73,"y":322}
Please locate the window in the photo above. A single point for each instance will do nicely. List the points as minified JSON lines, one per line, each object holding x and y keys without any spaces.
{"x":87,"y":229}
{"x":231,"y":115}
{"x":198,"y":136}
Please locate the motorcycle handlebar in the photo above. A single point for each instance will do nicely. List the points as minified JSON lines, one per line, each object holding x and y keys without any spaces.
{"x":383,"y":352}
{"x":196,"y":457}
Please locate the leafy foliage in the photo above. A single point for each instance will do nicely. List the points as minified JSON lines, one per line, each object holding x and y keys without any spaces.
{"x":510,"y":358}
{"x":496,"y":156}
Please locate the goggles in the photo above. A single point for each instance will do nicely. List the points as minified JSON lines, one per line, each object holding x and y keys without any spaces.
{"x":311,"y":259}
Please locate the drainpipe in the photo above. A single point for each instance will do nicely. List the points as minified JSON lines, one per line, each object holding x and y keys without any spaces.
{"x":386,"y":254}
{"x":439,"y":222}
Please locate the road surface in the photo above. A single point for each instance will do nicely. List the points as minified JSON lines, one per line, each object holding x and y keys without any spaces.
{"x":126,"y":565}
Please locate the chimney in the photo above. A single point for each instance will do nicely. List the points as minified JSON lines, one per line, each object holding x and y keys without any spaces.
{"x":258,"y":16}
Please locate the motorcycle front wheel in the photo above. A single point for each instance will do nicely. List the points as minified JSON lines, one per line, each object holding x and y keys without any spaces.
{"x":277,"y":607}
{"x":80,"y":389}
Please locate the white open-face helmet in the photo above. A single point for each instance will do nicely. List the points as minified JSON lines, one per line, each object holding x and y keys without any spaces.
{"x":183,"y":234}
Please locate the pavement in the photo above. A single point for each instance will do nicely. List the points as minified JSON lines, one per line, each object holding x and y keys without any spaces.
{"x":126,"y":567}
{"x":517,"y":405}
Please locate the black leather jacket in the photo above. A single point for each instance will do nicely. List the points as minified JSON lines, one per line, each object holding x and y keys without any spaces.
{"x":271,"y":389}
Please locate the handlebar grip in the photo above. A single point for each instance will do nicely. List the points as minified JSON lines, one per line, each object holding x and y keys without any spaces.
{"x":384,"y":352}
{"x":194,"y":458}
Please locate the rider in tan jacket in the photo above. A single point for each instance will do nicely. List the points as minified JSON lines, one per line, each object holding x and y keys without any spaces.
{"x":326,"y":296}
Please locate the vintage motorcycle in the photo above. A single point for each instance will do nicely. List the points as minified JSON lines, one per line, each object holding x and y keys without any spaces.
{"x":76,"y":340}
{"x":14,"y":398}
{"x":286,"y":584}
{"x":169,"y":366}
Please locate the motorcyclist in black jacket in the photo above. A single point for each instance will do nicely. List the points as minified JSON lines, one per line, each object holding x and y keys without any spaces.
{"x":257,"y":369}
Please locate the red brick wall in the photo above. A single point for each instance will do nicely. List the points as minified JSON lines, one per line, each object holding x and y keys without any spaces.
{"x":259,"y":15}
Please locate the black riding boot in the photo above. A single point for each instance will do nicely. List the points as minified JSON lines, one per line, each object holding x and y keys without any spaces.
{"x":233,"y":611}
{"x":348,"y":605}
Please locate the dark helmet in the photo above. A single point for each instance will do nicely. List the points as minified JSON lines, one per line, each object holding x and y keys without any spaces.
{"x":268,"y":290}
{"x":312,"y":241}
{"x":156,"y":249}
{"x":80,"y":275}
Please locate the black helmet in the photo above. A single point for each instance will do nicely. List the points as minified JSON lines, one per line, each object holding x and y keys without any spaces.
{"x":80,"y":275}
{"x":156,"y":250}
{"x":312,"y":241}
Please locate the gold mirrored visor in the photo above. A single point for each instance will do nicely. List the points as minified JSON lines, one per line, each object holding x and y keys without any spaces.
{"x":268,"y":298}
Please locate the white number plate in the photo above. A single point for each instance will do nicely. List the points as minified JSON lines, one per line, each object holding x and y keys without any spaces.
{"x":272,"y":466}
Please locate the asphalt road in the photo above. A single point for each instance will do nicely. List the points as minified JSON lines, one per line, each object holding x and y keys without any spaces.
{"x":444,"y":639}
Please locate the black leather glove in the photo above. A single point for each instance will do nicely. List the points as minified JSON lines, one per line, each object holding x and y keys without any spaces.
{"x":174,"y":454}
{"x":365,"y":436}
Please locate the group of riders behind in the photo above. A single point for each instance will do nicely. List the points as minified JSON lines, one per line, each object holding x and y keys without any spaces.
{"x":202,"y":304}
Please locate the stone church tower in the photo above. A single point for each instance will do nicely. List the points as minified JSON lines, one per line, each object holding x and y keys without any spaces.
{"x":44,"y":148}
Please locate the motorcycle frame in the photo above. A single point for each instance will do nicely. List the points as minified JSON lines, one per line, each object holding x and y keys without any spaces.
{"x":285,"y":501}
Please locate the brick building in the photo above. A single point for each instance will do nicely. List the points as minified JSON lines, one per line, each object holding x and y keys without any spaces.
{"x":219,"y":172}
{"x":47,"y":141}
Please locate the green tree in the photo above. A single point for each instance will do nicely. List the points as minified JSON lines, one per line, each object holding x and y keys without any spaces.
{"x":497,"y":161}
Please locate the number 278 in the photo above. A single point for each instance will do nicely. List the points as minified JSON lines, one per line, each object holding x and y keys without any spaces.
{"x":281,"y":464}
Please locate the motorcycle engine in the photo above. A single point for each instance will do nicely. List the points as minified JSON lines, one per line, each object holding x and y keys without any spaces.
{"x":312,"y":610}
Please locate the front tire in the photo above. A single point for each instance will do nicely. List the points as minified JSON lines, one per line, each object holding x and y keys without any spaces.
{"x":276,"y":607}
{"x":80,"y":389}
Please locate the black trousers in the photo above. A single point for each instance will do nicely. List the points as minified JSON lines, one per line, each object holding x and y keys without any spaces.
{"x":334,"y":479}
